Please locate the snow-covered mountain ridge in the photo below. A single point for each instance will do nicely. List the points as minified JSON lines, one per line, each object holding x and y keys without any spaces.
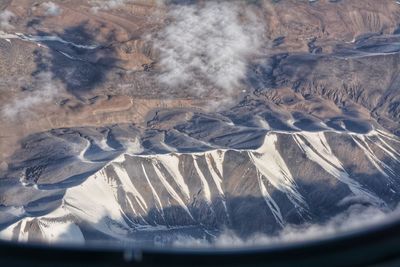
{"x":292,"y":178}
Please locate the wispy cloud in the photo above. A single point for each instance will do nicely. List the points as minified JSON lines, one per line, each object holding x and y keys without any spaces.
{"x":5,"y":20}
{"x":355,"y":218}
{"x":208,"y":45}
{"x":51,"y":8}
{"x":106,"y":4}
{"x":43,"y":90}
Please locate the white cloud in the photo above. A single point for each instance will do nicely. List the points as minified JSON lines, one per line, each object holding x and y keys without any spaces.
{"x":106,"y":5}
{"x":355,"y":218}
{"x":5,"y":20}
{"x":208,"y":45}
{"x":51,"y":8}
{"x":44,"y":91}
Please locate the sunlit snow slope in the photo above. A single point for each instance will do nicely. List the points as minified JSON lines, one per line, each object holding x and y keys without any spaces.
{"x":132,"y":196}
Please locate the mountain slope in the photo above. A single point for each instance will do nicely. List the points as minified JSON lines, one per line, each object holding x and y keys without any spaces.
{"x":135,"y":195}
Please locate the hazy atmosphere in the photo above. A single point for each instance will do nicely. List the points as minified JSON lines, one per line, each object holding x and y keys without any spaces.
{"x":197,"y":123}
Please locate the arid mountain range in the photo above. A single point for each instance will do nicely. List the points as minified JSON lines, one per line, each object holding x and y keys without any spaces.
{"x":145,"y":121}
